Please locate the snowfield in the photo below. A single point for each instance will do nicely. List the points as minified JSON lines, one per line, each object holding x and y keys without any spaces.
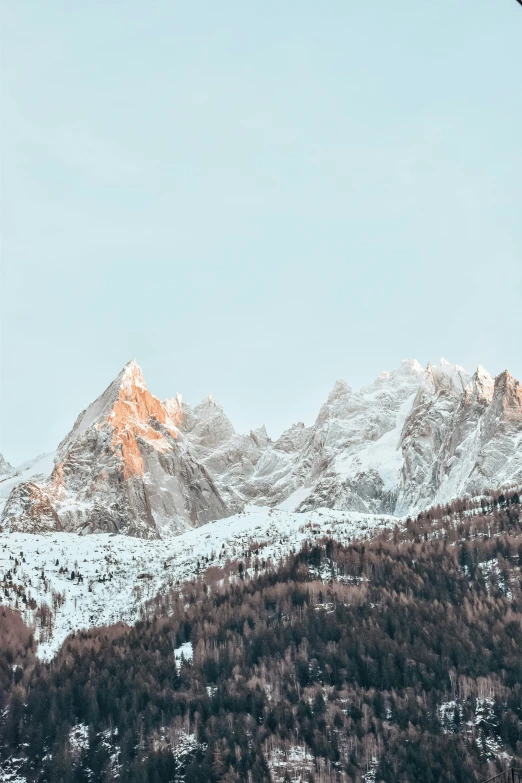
{"x":95,"y":580}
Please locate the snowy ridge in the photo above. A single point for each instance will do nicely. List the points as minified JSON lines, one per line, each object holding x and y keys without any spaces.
{"x":135,"y":465}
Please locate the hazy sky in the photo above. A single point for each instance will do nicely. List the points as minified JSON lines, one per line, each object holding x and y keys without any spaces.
{"x":253,"y":198}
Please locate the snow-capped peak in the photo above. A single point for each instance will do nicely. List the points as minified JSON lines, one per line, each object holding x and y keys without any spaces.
{"x":482,"y":384}
{"x":446,"y":378}
{"x":127,"y":405}
{"x":409,"y":372}
{"x":131,"y":377}
{"x":209,"y":402}
{"x":340,"y":389}
{"x":410,"y":367}
{"x":481,"y":372}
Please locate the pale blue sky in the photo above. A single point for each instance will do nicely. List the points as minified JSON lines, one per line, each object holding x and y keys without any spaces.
{"x":253,"y":199}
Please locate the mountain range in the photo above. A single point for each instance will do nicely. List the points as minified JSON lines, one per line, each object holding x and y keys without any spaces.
{"x":133,"y":464}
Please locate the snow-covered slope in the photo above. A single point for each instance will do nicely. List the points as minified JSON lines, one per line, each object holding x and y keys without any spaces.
{"x":86,"y":581}
{"x":412,"y":438}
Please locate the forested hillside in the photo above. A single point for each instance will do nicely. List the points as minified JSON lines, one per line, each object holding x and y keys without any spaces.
{"x":397,"y":659}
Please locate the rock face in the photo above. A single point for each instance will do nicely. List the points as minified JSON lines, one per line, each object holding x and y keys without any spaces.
{"x":428,"y":426}
{"x":135,"y":465}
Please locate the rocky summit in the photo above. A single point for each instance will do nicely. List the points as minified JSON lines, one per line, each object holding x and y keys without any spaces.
{"x":132,"y":464}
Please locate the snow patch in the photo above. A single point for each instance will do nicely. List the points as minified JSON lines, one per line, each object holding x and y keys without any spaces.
{"x":184,"y":653}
